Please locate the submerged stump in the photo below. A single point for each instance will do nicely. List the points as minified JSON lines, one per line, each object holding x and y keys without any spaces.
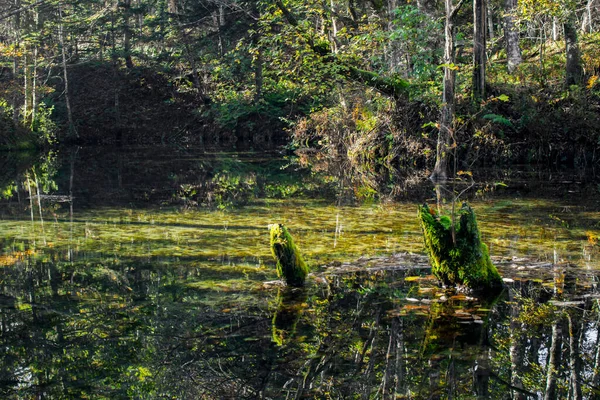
{"x":462,"y":259}
{"x":290,"y":264}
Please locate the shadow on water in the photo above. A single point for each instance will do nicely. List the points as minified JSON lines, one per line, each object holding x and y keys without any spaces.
{"x":117,"y":294}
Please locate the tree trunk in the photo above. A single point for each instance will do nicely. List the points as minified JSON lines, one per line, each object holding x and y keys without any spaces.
{"x":393,"y":51}
{"x":15,"y":101}
{"x":15,"y":98}
{"x":26,"y":89}
{"x":490,"y":23}
{"x":258,"y":75}
{"x":172,"y":7}
{"x":334,"y":28}
{"x":127,"y":34}
{"x":511,"y":33}
{"x":72,"y":133}
{"x":479,"y":56}
{"x":574,"y":71}
{"x":440,"y":171}
{"x":586,"y":23}
{"x":34,"y":84}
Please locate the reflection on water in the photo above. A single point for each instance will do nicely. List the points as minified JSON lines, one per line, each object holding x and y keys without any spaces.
{"x":134,"y":290}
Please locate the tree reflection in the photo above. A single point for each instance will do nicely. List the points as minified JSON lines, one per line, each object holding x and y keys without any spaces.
{"x":93,"y":328}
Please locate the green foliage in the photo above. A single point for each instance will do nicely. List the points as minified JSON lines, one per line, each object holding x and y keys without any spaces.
{"x":44,"y":125}
{"x":15,"y":136}
{"x":416,"y":34}
{"x":456,"y":252}
{"x":232,"y":189}
{"x":290,"y":264}
{"x":499,"y":119}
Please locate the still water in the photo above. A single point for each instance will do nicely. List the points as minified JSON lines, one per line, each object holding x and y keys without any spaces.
{"x":138,"y":274}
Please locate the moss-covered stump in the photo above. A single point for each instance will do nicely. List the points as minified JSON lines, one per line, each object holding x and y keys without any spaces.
{"x":463,"y":261}
{"x":290,"y":264}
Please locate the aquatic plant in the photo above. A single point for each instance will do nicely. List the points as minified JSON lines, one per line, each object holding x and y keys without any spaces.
{"x":290,"y":264}
{"x":457,"y":255}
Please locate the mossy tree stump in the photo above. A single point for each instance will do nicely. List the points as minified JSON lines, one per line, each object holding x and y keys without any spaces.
{"x":462,"y":260}
{"x":290,"y":264}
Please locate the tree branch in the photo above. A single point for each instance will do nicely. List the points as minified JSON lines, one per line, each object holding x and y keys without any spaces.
{"x":456,"y":9}
{"x":22,"y":9}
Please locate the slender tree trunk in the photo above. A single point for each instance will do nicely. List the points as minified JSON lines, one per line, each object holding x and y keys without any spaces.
{"x":511,"y":34}
{"x":172,"y":7}
{"x":127,"y":34}
{"x":586,"y":23}
{"x":17,"y":28}
{"x":15,"y":101}
{"x":574,"y":70}
{"x":394,"y":52}
{"x":34,"y":73}
{"x":334,"y":28}
{"x":72,"y":133}
{"x":115,"y":68}
{"x":440,"y":171}
{"x":34,"y":84}
{"x":479,"y":44}
{"x":221,"y":24}
{"x":258,"y":76}
{"x":490,"y":22}
{"x":26,"y":89}
{"x":352,"y":11}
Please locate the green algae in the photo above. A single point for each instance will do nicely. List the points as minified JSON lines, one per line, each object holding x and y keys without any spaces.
{"x":289,"y":261}
{"x":457,"y":254}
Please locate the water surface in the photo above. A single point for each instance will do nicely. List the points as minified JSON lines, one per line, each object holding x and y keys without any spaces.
{"x":148,"y":275}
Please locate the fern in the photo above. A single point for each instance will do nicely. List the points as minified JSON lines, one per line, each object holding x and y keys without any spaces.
{"x":499,"y":119}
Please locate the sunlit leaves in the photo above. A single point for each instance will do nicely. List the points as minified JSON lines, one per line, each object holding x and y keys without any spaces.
{"x":530,"y":9}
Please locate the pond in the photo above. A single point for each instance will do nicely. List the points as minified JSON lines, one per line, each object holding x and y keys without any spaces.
{"x":147,"y":274}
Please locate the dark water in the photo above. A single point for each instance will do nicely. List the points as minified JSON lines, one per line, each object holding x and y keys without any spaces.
{"x":148,"y":275}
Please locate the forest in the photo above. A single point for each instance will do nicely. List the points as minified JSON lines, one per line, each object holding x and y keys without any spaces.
{"x":388,"y":89}
{"x":284,"y":199}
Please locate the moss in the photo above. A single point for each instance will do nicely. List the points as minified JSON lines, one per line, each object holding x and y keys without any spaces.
{"x":463,"y":261}
{"x":290,"y":264}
